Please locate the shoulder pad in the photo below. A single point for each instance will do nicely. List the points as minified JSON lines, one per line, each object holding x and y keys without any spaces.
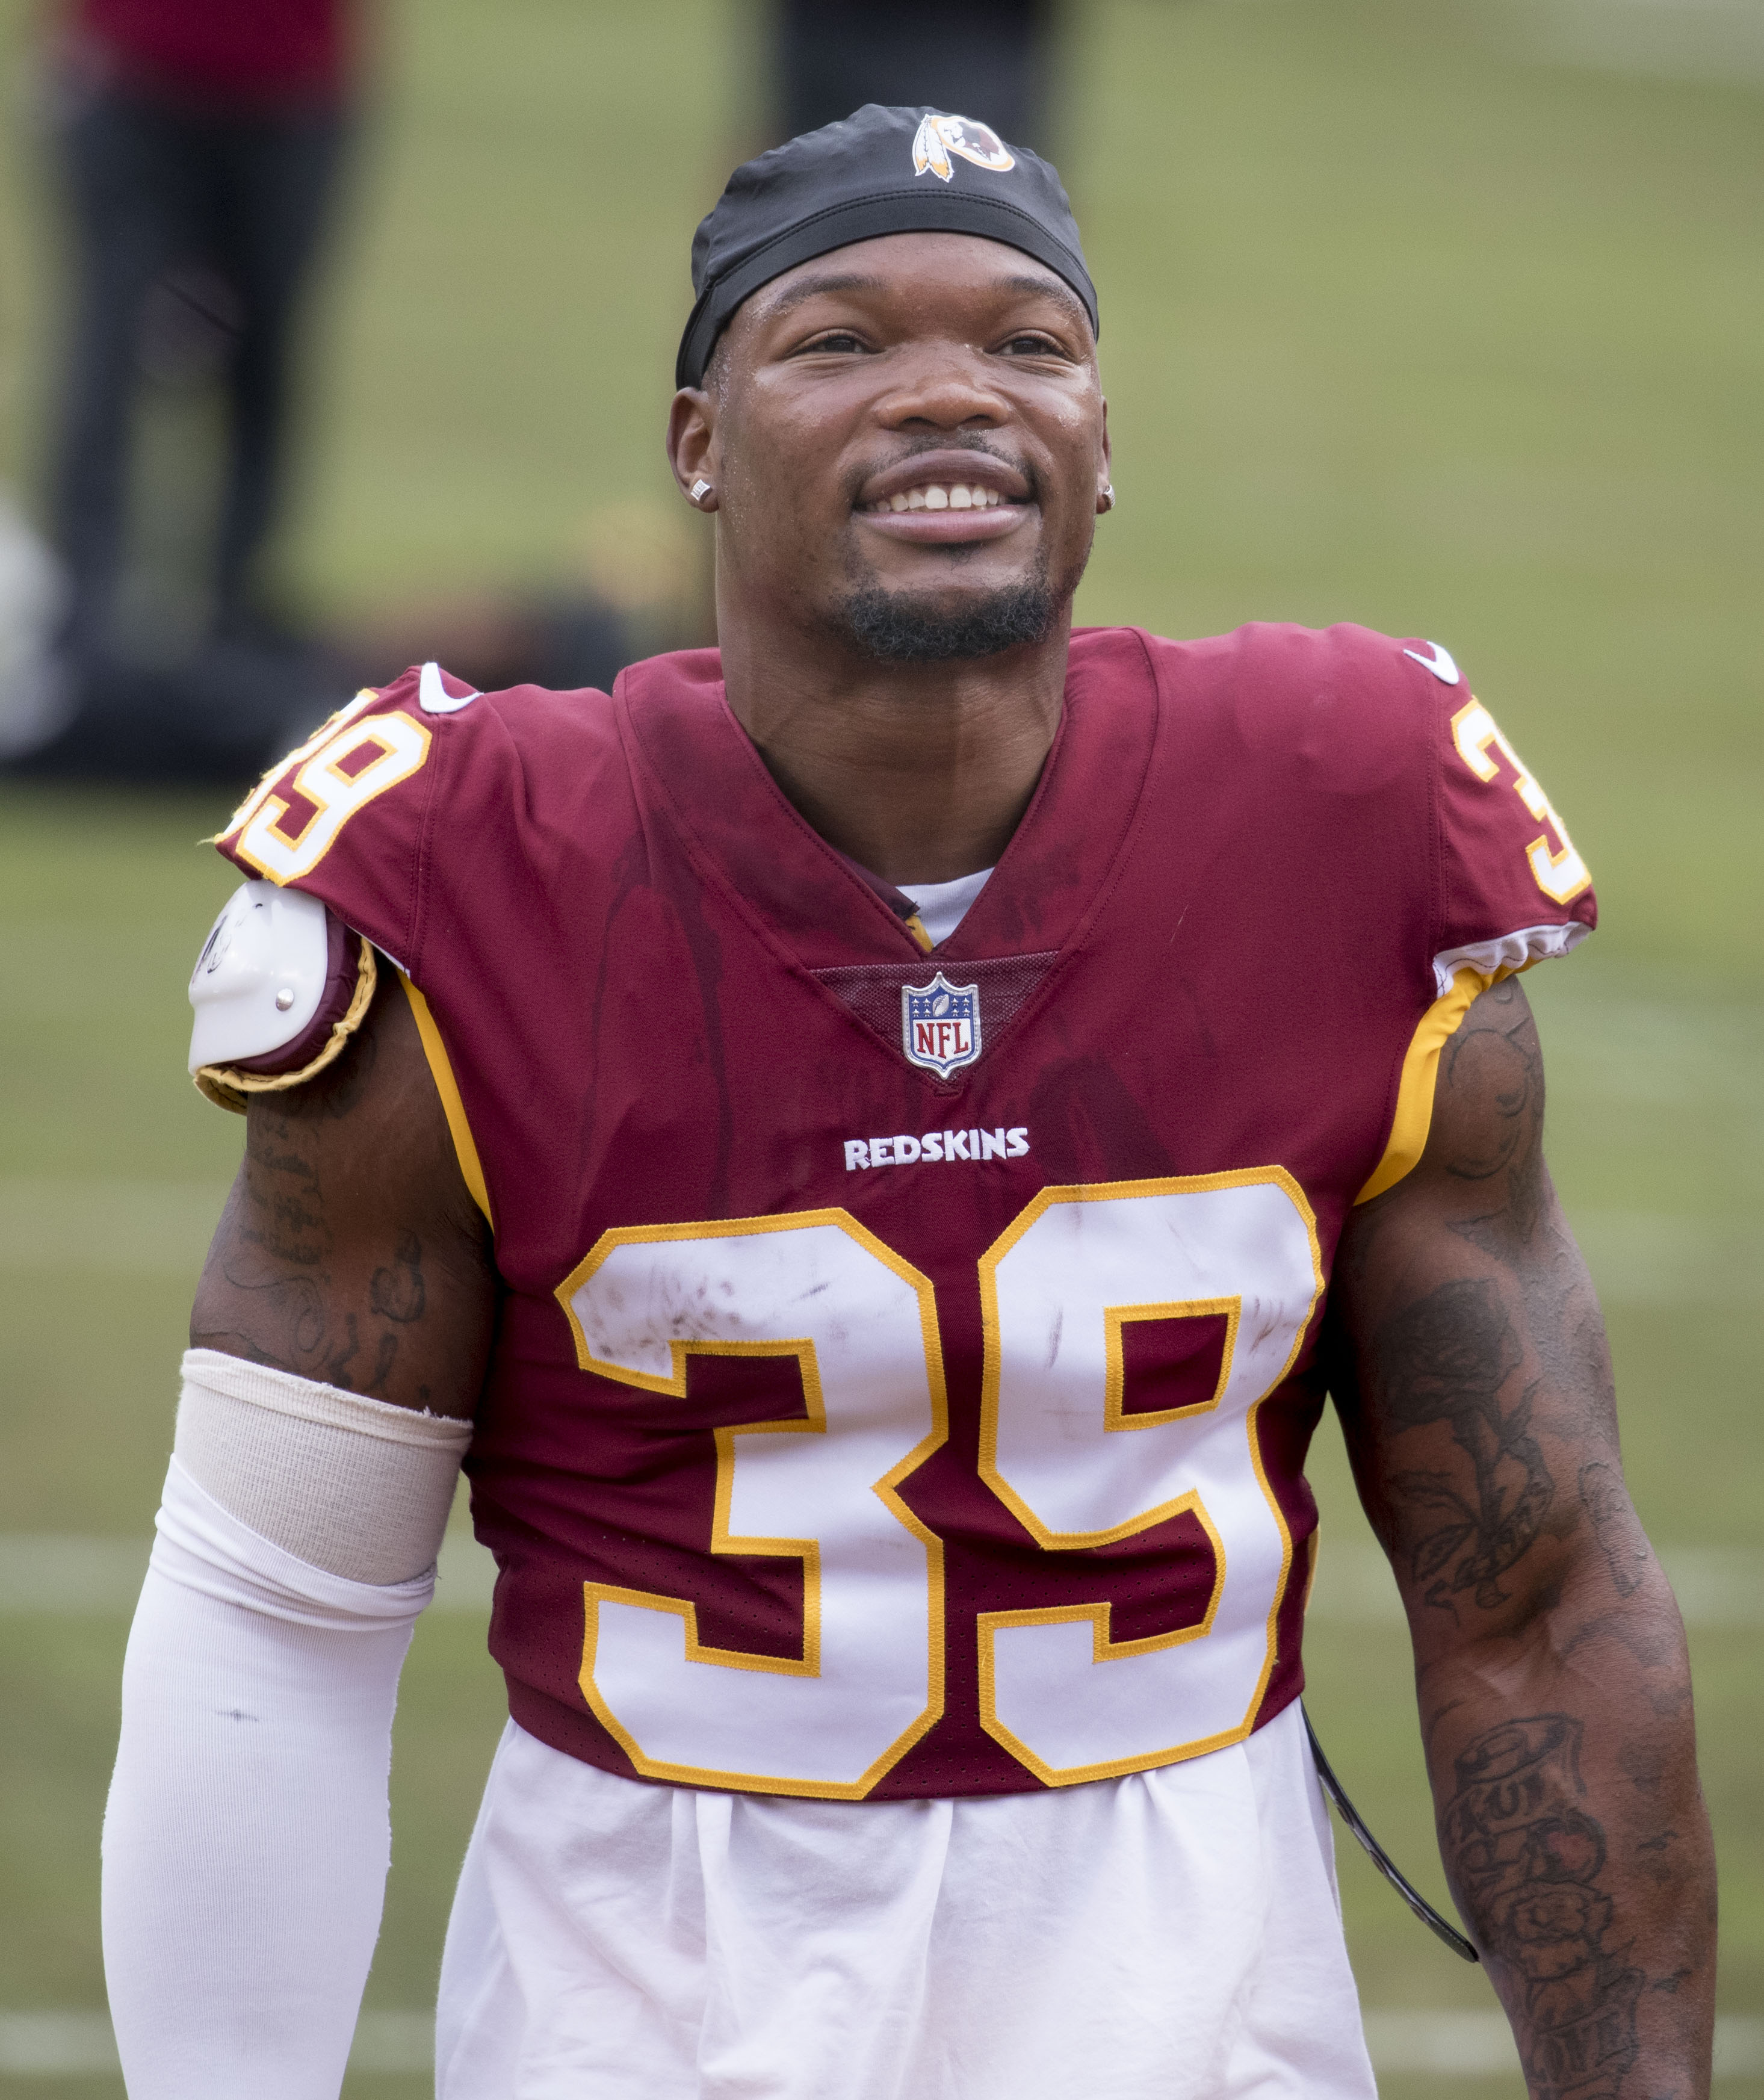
{"x":280,"y":986}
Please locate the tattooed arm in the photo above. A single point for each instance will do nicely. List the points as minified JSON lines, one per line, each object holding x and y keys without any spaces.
{"x":1470,"y":1369}
{"x":247,"y":1835}
{"x":350,"y":1250}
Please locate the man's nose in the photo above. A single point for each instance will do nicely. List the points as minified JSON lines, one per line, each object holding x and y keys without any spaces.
{"x":943,"y":387}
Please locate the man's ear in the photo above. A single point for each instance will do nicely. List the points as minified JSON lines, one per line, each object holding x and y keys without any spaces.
{"x":692,"y":445}
{"x":1105,"y":488}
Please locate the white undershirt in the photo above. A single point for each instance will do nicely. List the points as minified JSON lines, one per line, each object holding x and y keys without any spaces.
{"x":1174,"y":1934}
{"x":942,"y":905}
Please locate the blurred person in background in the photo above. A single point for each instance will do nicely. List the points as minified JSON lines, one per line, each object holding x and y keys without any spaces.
{"x":198,"y":145}
{"x":832,"y":56}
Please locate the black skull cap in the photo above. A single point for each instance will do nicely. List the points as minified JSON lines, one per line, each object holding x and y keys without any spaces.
{"x":877,"y":171}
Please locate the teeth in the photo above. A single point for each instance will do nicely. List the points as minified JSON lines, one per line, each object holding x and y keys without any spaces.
{"x":933,"y":497}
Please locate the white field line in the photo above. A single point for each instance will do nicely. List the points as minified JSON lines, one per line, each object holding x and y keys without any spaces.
{"x":1480,"y":2044}
{"x":1716,"y":1585}
{"x":1446,"y":2043}
{"x":1640,"y":1258}
{"x":119,"y":1228}
{"x":62,"y":1575}
{"x":76,"y":2045}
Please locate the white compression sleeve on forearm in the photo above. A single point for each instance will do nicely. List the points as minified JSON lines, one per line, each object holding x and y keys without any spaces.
{"x":247,"y":1835}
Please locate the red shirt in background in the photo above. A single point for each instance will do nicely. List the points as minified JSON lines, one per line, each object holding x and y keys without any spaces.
{"x":259,"y":51}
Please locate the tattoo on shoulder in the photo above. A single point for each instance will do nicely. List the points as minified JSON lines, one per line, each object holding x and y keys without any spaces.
{"x":1530,"y":1864}
{"x":1494,"y":1064}
{"x":1495,"y":1059}
{"x":278,"y":1304}
{"x":1448,"y":1358}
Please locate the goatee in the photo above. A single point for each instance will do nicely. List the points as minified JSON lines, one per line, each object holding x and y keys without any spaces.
{"x":913,"y":627}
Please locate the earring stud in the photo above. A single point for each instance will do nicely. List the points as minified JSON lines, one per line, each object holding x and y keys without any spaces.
{"x":700,"y":489}
{"x":1108,"y":495}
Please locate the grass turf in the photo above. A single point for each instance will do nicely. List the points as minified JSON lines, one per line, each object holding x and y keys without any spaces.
{"x":1445,"y":318}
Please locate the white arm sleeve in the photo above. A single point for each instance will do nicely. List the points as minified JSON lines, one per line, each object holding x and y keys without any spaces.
{"x":247,"y":1837}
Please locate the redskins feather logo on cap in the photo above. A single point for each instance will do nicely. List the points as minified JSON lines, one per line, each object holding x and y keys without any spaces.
{"x":938,"y":137}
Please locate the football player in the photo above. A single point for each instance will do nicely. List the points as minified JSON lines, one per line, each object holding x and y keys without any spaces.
{"x":873,"y":1145}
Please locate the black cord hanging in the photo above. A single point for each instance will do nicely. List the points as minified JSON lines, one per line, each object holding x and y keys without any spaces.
{"x":1380,"y":1859}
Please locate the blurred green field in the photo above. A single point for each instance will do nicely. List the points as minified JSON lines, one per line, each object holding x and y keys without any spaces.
{"x":1447,"y":319}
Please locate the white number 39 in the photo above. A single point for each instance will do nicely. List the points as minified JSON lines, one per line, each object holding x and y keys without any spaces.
{"x":1058,"y":1288}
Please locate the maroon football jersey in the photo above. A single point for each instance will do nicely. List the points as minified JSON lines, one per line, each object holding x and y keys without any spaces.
{"x":906,"y":1363}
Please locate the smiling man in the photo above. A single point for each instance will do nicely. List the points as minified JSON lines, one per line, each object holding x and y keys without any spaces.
{"x":874,"y":1144}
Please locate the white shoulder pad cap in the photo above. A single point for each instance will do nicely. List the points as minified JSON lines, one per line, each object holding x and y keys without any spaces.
{"x":261,"y":975}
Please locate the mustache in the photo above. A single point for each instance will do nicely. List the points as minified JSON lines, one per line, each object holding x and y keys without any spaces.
{"x":949,"y":441}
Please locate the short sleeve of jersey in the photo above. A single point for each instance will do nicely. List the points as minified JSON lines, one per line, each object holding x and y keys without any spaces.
{"x":426,"y":804}
{"x":304,"y":826}
{"x":1513,"y":889}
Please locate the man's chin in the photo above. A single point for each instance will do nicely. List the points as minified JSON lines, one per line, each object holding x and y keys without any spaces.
{"x":918,"y":626}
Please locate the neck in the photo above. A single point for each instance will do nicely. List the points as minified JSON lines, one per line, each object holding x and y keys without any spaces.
{"x":920,"y":772}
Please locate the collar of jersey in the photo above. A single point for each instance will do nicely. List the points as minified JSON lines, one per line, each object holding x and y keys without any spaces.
{"x":805,"y":898}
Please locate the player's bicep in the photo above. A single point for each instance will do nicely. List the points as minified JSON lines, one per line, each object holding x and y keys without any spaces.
{"x":1469,"y":1355}
{"x":349,"y":1250}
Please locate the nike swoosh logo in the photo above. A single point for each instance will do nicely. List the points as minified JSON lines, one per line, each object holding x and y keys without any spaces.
{"x":1439,"y":663}
{"x":435,"y":699}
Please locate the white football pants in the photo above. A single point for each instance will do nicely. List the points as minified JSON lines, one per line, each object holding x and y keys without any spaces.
{"x":1174,"y":1934}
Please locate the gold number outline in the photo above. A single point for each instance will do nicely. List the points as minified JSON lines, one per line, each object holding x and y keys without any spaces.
{"x":1104,"y":1647}
{"x":320,"y":783}
{"x":319,"y":739}
{"x":886,"y":1489}
{"x":1115,"y":1318}
{"x":1561,"y":876}
{"x":808,"y":1551}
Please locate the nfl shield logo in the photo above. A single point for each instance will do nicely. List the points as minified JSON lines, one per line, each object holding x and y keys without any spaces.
{"x":941,"y":1024}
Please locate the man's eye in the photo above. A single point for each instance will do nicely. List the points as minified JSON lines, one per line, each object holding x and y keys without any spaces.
{"x":1033,"y":346}
{"x":838,"y":340}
